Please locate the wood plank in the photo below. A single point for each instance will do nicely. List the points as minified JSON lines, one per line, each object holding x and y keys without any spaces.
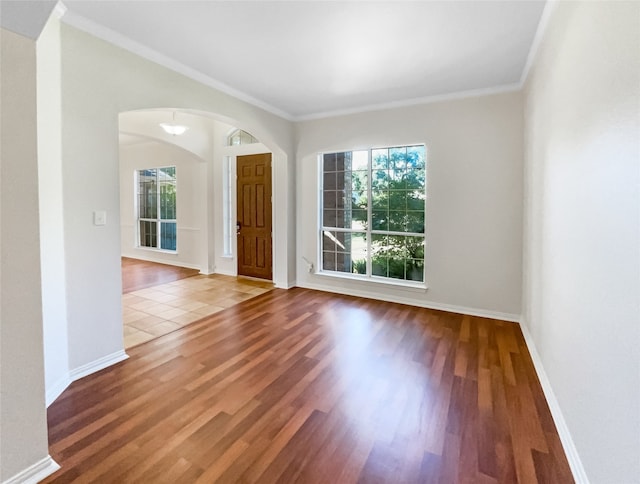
{"x":304,"y":386}
{"x":139,"y":274}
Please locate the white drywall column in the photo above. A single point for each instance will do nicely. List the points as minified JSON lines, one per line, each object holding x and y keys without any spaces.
{"x":52,"y":255}
{"x":23,"y":424}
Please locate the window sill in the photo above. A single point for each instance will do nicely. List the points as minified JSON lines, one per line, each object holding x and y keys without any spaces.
{"x":376,"y":281}
{"x":230,"y":257}
{"x":153,"y":249}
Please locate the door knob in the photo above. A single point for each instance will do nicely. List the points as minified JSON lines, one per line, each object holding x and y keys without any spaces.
{"x":238,"y":227}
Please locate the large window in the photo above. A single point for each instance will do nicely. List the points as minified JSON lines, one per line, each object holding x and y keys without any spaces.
{"x":373,"y":213}
{"x":157,"y":208}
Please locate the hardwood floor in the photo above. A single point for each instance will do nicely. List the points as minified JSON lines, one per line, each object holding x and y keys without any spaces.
{"x":139,"y":274}
{"x":304,"y":386}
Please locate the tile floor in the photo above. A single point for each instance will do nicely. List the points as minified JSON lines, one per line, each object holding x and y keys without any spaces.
{"x":158,"y":310}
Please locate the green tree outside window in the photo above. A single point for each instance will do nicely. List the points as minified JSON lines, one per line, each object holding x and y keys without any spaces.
{"x":385,"y":204}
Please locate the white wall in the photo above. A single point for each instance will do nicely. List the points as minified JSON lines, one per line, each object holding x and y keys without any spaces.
{"x":191,"y":202}
{"x":23,"y":425}
{"x":52,"y":255}
{"x":474,"y":198}
{"x":582,"y":231}
{"x":99,"y":81}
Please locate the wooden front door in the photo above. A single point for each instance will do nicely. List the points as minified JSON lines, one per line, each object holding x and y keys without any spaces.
{"x":254,"y":216}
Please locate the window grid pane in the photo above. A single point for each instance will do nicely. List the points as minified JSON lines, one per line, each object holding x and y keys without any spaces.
{"x":344,"y":251}
{"x":168,"y":235}
{"x":148,"y":233}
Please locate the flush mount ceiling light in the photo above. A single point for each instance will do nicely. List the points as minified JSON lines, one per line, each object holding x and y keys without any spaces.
{"x":173,"y":128}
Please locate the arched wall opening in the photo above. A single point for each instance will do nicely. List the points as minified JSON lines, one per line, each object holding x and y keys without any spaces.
{"x":99,"y":82}
{"x":206,"y":198}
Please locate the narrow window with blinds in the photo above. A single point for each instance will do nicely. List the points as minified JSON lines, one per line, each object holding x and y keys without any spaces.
{"x":373,"y":213}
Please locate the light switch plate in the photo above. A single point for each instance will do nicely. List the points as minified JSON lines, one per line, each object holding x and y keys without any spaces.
{"x":100,"y":217}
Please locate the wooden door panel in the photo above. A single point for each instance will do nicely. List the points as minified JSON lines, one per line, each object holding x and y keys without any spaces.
{"x":260,"y":250}
{"x":254,"y":216}
{"x":245,"y":220}
{"x":260,"y":201}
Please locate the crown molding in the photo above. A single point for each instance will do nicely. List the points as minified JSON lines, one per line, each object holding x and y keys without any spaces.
{"x":413,"y":102}
{"x":550,"y":5}
{"x":60,"y":10}
{"x":89,"y":26}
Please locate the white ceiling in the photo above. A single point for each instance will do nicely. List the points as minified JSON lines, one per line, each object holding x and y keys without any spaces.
{"x":308,"y":58}
{"x":25,"y":18}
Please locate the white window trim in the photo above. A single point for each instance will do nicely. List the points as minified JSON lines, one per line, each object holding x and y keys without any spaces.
{"x":419,"y":286}
{"x":416,"y":286}
{"x":155,"y":249}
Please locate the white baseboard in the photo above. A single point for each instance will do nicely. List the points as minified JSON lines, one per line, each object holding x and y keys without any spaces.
{"x":225,"y":273}
{"x":35,"y":473}
{"x":63,"y":382}
{"x":577,"y":469}
{"x":483,"y":313}
{"x":97,"y":365}
{"x":286,"y":286}
{"x":57,"y":388}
